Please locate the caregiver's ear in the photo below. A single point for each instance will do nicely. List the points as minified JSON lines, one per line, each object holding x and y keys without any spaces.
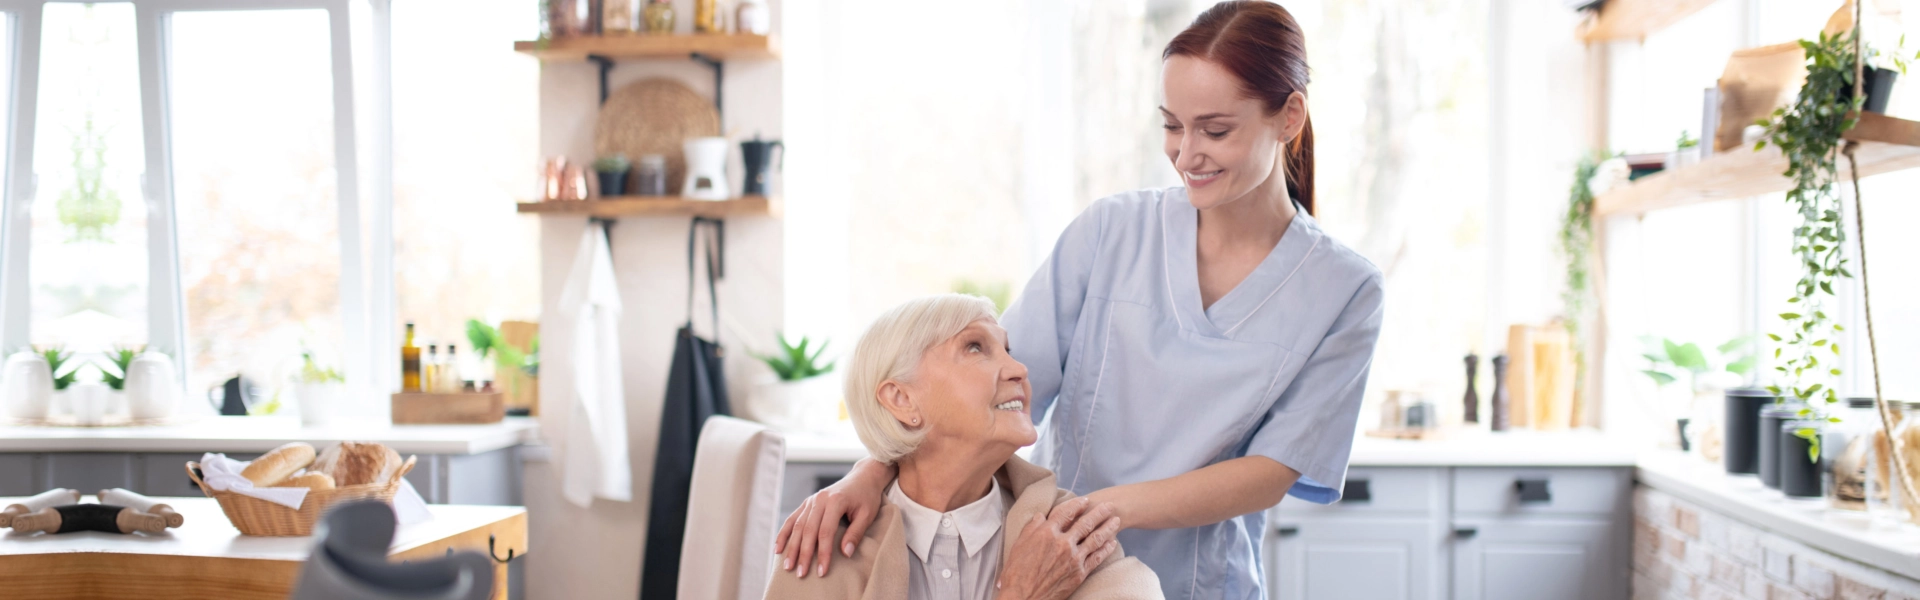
{"x":898,"y":402}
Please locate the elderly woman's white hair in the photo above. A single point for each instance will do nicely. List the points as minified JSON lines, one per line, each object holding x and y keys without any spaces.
{"x":891,"y":349}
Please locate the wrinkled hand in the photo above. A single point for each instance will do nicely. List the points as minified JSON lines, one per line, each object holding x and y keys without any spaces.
{"x":1054,"y":555}
{"x":807,"y":534}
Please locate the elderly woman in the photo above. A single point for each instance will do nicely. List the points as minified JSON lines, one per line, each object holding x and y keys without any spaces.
{"x":932,"y":389}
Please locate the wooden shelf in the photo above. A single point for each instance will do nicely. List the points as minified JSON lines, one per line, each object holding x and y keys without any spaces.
{"x":1634,"y":19}
{"x":716,"y":46}
{"x":657,"y":206}
{"x":1886,"y":144}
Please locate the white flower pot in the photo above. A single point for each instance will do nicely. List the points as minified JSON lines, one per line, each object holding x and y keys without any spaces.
{"x":792,"y":405}
{"x":150,"y":389}
{"x":89,"y":402}
{"x":29,"y":386}
{"x":319,"y":402}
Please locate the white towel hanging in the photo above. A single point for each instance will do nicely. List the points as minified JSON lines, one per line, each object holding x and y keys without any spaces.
{"x":594,"y":461}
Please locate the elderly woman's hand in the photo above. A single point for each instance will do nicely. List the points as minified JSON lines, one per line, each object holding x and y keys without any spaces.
{"x":1055,"y":555}
{"x":806,"y":538}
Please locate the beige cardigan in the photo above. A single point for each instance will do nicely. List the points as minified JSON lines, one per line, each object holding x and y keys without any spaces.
{"x":878,"y":569}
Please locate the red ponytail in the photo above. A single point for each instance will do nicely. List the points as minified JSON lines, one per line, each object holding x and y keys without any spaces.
{"x":1259,"y":42}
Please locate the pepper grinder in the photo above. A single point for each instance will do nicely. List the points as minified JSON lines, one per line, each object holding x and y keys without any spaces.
{"x":1471,"y":411}
{"x":1499,"y":393}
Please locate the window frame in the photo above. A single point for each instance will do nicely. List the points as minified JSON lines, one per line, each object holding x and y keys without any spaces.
{"x":363,"y":186}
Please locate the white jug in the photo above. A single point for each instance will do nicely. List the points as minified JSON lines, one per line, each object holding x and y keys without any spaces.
{"x":151,"y":390}
{"x":706,"y":169}
{"x":29,"y":386}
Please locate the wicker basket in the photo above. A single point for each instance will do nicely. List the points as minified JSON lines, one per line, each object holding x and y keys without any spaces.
{"x":253,"y":516}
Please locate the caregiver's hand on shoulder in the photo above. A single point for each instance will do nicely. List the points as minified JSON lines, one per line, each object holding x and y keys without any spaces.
{"x":807,"y":534}
{"x":1054,"y":555}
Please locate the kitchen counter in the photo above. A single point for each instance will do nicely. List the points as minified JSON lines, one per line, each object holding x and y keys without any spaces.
{"x":207,"y":558}
{"x":1852,"y":536}
{"x":1466,"y":449}
{"x":260,"y":434}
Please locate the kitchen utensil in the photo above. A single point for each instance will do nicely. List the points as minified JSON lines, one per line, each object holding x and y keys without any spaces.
{"x":234,"y":397}
{"x":706,"y":169}
{"x":655,"y":116}
{"x":650,"y":177}
{"x":758,"y":158}
{"x":46,"y":499}
{"x":576,"y":187}
{"x":150,"y":387}
{"x":1470,"y":405}
{"x":123,"y":497}
{"x":29,"y":386}
{"x":1500,"y":401}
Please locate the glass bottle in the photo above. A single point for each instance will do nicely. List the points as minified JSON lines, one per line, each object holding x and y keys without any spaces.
{"x":617,"y":17}
{"x":1885,"y":501}
{"x":430,"y":372}
{"x":651,"y":177}
{"x":450,"y":372}
{"x":706,"y":16}
{"x":409,"y":364}
{"x":1844,"y":452}
{"x":659,"y":15}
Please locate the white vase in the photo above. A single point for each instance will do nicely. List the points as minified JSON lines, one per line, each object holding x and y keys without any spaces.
{"x":88,"y":401}
{"x":29,"y":386}
{"x":150,"y":388}
{"x":319,"y":402}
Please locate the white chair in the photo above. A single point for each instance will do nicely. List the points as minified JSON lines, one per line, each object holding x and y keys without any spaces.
{"x":732,"y":511}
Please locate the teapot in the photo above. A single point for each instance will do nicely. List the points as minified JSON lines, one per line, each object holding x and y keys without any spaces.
{"x":152,"y":392}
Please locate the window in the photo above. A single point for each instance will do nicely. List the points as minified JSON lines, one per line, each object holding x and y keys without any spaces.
{"x":89,"y":238}
{"x":254,"y":191}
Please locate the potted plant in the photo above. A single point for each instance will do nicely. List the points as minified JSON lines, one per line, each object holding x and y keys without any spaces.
{"x":57,"y":358}
{"x":120,"y":359}
{"x":1686,"y":151}
{"x":612,"y":170}
{"x":797,"y":385}
{"x":320,"y":391}
{"x":1707,"y":373}
{"x":516,"y":370}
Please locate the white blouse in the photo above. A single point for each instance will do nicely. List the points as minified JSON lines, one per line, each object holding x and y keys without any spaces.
{"x":958,"y":552}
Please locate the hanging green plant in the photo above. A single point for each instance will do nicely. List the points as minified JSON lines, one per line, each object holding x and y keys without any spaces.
{"x":1808,"y":135}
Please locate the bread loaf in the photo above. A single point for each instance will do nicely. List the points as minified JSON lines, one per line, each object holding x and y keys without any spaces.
{"x":274,"y":467}
{"x":358,"y":463}
{"x":311,"y":480}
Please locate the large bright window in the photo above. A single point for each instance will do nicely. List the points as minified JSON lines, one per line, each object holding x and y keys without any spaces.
{"x":254,"y":190}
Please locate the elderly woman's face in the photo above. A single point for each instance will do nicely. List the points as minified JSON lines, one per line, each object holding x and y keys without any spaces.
{"x":970,"y":393}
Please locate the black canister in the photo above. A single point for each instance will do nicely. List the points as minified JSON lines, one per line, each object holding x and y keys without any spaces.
{"x":1741,"y":449}
{"x":1799,"y":473}
{"x":1769,"y":433}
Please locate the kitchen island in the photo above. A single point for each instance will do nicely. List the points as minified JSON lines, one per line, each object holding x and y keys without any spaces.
{"x":458,"y":464}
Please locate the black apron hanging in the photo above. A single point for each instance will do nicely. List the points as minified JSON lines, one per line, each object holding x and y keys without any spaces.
{"x":696,"y":389}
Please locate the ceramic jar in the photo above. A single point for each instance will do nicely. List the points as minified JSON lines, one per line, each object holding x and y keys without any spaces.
{"x":29,"y":386}
{"x":152,"y":393}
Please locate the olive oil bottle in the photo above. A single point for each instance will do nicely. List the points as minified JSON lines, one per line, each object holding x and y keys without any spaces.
{"x":409,"y":364}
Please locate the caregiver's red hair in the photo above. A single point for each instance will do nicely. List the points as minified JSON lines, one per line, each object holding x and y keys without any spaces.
{"x":1260,"y":43}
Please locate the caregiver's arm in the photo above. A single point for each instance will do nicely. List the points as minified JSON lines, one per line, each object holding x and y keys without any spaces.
{"x":806,"y":537}
{"x":1203,"y":496}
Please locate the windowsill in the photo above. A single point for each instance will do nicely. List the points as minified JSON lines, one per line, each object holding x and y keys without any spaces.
{"x":1849,"y":535}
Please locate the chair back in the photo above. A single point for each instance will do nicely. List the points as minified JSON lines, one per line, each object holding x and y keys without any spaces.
{"x":349,"y":562}
{"x":732,"y":511}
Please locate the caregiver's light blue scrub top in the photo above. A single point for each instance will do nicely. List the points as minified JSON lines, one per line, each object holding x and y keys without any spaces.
{"x":1144,"y":384}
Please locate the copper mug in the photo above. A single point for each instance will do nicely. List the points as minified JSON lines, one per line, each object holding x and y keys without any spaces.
{"x":576,"y":184}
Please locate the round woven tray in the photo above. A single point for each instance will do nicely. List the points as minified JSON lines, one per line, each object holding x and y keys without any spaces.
{"x":253,"y":516}
{"x":654,"y":116}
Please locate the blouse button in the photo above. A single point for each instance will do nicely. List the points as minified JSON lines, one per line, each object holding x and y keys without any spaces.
{"x":946,"y":573}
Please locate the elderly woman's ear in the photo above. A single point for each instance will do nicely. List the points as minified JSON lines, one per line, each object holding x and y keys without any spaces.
{"x":895,"y":399}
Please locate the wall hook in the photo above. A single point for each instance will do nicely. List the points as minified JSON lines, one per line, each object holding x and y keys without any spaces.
{"x":496,"y":557}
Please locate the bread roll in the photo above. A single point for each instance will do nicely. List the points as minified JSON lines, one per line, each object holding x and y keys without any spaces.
{"x":311,"y":480}
{"x":359,"y":463}
{"x":273,"y":467}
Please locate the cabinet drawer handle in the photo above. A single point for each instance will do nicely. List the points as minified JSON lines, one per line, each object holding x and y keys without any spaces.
{"x":1465,"y":532}
{"x":1356,"y":490}
{"x":1287,"y":530}
{"x":1532,"y":490}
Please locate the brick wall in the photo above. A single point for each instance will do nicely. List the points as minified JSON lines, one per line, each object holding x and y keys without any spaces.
{"x":1681,"y":550}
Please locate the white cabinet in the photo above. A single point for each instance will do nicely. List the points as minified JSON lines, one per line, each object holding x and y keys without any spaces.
{"x":1432,"y":533}
{"x":1528,"y":560}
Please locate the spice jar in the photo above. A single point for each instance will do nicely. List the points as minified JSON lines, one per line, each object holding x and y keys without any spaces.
{"x":617,"y":17}
{"x":1845,"y":450}
{"x":753,"y":17}
{"x":1899,"y":506}
{"x":706,"y":16}
{"x":659,"y":15}
{"x":650,"y":178}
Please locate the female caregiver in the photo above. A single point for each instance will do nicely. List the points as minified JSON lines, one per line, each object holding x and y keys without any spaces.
{"x":1204,"y":347}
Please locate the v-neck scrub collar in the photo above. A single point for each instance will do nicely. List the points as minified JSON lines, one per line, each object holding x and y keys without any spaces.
{"x":1180,"y":228}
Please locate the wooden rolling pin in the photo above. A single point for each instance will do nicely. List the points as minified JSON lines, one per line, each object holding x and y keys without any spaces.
{"x":123,"y":497}
{"x":89,"y":517}
{"x":46,"y":499}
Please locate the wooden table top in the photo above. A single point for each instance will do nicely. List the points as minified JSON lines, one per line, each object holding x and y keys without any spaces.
{"x":207,"y":557}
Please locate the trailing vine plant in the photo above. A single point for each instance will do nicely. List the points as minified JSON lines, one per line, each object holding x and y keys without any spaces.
{"x":1576,"y":243}
{"x":1807,"y":133}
